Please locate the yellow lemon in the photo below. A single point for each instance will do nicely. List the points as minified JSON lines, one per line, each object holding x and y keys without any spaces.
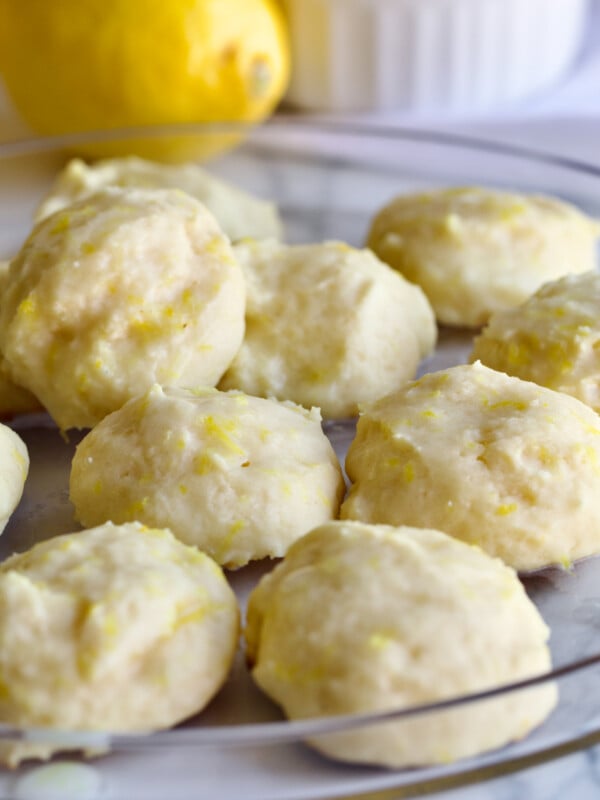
{"x":78,"y":65}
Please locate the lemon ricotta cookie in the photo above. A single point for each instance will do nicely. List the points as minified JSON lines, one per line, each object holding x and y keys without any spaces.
{"x":14,"y":468}
{"x":327,"y":325}
{"x":14,"y":400}
{"x":117,"y":628}
{"x":240,"y":477}
{"x":552,"y":339}
{"x":475,"y":251}
{"x":239,"y":213}
{"x":491,"y":459}
{"x":121,"y":290}
{"x":366,"y":618}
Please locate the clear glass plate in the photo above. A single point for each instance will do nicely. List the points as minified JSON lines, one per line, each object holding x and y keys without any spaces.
{"x":328,"y":180}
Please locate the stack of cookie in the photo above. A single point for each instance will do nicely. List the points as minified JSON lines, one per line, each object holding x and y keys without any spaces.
{"x":163,"y":311}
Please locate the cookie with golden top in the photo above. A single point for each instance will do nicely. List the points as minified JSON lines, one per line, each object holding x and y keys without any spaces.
{"x":327,"y":325}
{"x":126,"y":288}
{"x":239,"y":214}
{"x":475,"y":251}
{"x":552,"y":339}
{"x":239,"y":477}
{"x":491,"y":459}
{"x":118,"y":628}
{"x":371,"y":618}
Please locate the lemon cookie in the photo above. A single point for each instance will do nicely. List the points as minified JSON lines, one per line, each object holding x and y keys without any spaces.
{"x":327,"y":325}
{"x":118,"y":628}
{"x":124,"y":289}
{"x":14,"y":400}
{"x":366,"y":618}
{"x":491,"y":459}
{"x":14,"y":467}
{"x":239,"y":213}
{"x":475,"y":251}
{"x":240,"y":477}
{"x":552,"y":339}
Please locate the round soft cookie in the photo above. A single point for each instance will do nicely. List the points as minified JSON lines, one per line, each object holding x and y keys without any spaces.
{"x":552,"y":339}
{"x":475,"y":251}
{"x":123,"y":289}
{"x":371,"y":618}
{"x":240,"y":477}
{"x":14,"y":400}
{"x":14,"y":468}
{"x":488,"y":458}
{"x":117,"y":628}
{"x":239,"y":213}
{"x":327,"y":325}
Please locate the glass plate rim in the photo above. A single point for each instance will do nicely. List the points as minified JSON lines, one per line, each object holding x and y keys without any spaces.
{"x":285,"y":730}
{"x":280,"y":731}
{"x":32,"y":145}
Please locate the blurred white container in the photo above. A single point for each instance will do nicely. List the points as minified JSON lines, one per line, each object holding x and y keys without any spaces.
{"x":367,"y":55}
